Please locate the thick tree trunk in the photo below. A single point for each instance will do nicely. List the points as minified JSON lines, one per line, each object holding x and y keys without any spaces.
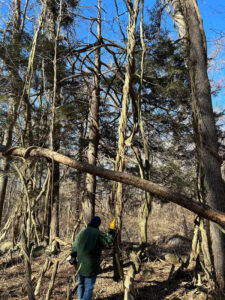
{"x":213,"y":186}
{"x":189,"y":22}
{"x":89,"y":203}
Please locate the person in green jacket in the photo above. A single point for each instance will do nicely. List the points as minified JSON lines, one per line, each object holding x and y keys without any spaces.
{"x":86,"y":252}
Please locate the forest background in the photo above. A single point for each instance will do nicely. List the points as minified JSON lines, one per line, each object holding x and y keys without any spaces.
{"x":122,"y":85}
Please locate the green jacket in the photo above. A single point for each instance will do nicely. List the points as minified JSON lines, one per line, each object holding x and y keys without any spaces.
{"x":87,"y":247}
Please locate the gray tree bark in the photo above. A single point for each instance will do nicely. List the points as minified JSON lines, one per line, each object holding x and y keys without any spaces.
{"x":213,"y":186}
{"x":212,"y":189}
{"x":93,"y":124}
{"x":12,"y":66}
{"x":52,"y":29}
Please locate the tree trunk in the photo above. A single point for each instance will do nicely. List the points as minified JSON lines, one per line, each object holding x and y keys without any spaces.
{"x":212,"y":186}
{"x":53,"y":31}
{"x":80,"y":157}
{"x":116,"y":197}
{"x":144,"y":167}
{"x":145,"y":208}
{"x":27,"y":265}
{"x":3,"y":181}
{"x":11,"y":61}
{"x":89,"y":202}
{"x":223,"y":171}
{"x":130,"y":70}
{"x":12,"y":66}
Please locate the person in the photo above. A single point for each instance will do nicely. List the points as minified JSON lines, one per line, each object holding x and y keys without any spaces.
{"x":86,"y":252}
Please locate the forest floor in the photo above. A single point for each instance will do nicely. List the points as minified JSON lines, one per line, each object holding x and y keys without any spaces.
{"x":154,"y":282}
{"x":170,"y":234}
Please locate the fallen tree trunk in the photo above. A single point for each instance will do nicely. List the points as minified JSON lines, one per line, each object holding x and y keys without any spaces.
{"x":198,"y":208}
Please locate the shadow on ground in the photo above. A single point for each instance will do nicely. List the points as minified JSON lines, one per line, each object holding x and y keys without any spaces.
{"x":158,"y":289}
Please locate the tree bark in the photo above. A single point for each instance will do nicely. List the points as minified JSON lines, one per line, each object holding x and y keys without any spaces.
{"x":89,"y":202}
{"x":12,"y":66}
{"x":144,"y":167}
{"x":212,"y":187}
{"x":27,"y":264}
{"x":130,"y":70}
{"x":116,"y":197}
{"x":53,"y":30}
{"x":202,"y":210}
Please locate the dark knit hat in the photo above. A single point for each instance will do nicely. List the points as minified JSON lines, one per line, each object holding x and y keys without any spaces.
{"x":96,"y":221}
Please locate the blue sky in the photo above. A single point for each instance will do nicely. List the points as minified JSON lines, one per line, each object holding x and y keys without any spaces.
{"x":213,"y":15}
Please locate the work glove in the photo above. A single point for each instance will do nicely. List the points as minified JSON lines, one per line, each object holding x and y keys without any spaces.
{"x":112,"y":225}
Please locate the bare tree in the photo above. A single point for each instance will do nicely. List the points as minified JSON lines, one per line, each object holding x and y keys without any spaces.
{"x":53,"y":24}
{"x":93,"y":124}
{"x":11,"y":64}
{"x":116,"y":197}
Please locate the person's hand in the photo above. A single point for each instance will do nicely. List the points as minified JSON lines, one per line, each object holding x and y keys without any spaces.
{"x":73,"y":262}
{"x":112,"y":225}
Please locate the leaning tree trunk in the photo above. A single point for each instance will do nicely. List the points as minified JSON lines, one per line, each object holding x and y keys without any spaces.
{"x":200,"y":209}
{"x":212,"y":186}
{"x":89,"y":202}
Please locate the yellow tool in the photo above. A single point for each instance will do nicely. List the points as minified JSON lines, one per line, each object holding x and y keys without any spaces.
{"x":112,"y":225}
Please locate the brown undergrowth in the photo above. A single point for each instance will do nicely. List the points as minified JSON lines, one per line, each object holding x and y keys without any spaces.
{"x":169,"y":245}
{"x":155,"y":281}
